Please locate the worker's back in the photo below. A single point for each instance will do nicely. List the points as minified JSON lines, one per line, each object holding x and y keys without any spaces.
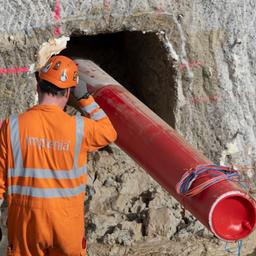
{"x":52,"y":166}
{"x":48,"y":137}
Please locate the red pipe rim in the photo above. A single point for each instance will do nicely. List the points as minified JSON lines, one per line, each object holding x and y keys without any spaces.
{"x":232,"y":216}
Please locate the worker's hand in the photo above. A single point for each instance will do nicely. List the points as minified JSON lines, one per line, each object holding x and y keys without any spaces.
{"x":80,"y":91}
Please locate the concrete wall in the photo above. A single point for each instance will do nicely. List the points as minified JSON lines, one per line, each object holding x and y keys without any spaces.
{"x":210,"y":46}
{"x":216,"y":39}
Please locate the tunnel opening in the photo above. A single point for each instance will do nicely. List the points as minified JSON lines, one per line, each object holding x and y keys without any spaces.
{"x":139,"y":61}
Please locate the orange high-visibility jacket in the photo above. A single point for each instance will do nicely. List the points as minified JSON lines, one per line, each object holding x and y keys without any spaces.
{"x":43,"y":157}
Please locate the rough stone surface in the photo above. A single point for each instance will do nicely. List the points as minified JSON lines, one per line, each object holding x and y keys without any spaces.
{"x":161,"y":222}
{"x":200,"y":77}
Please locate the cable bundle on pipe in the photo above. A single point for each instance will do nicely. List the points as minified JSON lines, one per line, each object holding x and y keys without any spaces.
{"x":211,"y":174}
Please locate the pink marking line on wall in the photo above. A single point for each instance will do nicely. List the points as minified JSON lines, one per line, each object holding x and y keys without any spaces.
{"x":205,"y":99}
{"x":191,"y":64}
{"x":13,"y":70}
{"x":57,"y":17}
{"x":160,"y":8}
{"x":106,"y":4}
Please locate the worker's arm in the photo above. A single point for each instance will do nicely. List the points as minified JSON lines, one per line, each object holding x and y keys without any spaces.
{"x":99,"y":131}
{"x":3,"y":160}
{"x":98,"y":128}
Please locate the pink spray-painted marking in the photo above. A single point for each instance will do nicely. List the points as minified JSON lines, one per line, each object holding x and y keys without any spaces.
{"x":160,"y":9}
{"x":13,"y":70}
{"x":200,"y":100}
{"x":191,"y":64}
{"x":57,"y":17}
{"x":106,"y":4}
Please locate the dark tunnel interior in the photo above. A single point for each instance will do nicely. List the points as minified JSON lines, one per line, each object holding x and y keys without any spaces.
{"x":139,"y":61}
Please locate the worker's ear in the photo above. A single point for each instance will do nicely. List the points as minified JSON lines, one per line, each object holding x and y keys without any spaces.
{"x":67,"y":93}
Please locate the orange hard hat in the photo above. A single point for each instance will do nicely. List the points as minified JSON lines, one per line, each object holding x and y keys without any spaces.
{"x":60,"y":71}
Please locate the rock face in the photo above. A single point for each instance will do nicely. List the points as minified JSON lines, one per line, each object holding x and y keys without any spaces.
{"x":192,"y":62}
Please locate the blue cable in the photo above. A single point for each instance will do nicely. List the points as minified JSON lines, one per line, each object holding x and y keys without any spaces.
{"x":230,"y":175}
{"x":238,"y":249}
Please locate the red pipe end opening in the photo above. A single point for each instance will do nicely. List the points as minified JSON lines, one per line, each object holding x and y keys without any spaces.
{"x":233,"y":217}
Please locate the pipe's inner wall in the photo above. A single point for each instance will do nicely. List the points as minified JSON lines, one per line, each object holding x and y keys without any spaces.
{"x":233,"y":218}
{"x":138,"y":61}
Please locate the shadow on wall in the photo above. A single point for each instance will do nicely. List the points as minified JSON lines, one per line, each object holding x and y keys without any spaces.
{"x":138,"y":61}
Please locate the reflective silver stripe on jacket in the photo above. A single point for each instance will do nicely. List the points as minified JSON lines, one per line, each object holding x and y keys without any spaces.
{"x":79,"y":138}
{"x":89,"y":108}
{"x":98,"y":115}
{"x":46,"y":192}
{"x":20,"y":171}
{"x":46,"y":174}
{"x":15,"y":141}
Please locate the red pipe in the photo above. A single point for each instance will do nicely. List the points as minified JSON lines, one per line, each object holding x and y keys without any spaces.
{"x":224,"y":208}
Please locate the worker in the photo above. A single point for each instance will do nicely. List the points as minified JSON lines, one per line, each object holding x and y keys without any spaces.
{"x":43,"y":156}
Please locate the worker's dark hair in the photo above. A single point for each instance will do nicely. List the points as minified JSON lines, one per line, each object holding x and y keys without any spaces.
{"x":49,"y":88}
